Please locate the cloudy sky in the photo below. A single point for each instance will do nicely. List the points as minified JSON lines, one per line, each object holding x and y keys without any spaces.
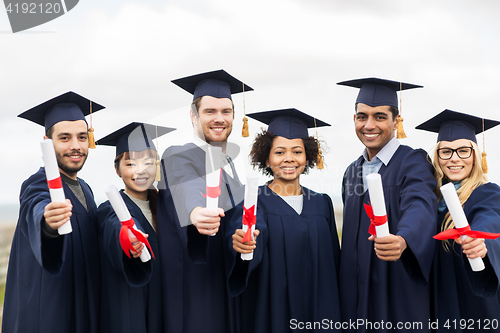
{"x":123,"y":55}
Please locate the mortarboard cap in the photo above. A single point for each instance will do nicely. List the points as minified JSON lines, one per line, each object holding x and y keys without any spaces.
{"x":218,"y":84}
{"x":134,"y":137}
{"x":66,"y":107}
{"x":376,"y":92}
{"x":452,"y":125}
{"x":288,"y":123}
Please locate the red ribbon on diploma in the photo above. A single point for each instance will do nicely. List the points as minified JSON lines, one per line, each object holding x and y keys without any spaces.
{"x":213,"y":192}
{"x":465,"y":231}
{"x":125,"y":240}
{"x":375,"y":220}
{"x":248,"y":220}
{"x":55,"y":183}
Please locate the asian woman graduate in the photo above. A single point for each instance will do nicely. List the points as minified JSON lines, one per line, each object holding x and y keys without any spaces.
{"x":291,"y":282}
{"x":464,"y":299}
{"x":131,"y":292}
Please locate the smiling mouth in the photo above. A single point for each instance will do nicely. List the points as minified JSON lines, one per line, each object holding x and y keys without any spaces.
{"x":140,"y":181}
{"x":371,"y":135}
{"x":74,"y":157}
{"x":218,"y":129}
{"x":455,"y":168}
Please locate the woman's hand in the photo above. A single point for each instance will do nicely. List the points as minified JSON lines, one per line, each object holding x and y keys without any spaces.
{"x":473,"y":247}
{"x":240,"y":247}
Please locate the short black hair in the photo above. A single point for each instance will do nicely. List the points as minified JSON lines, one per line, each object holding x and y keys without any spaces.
{"x":394,"y":110}
{"x":261,"y":149}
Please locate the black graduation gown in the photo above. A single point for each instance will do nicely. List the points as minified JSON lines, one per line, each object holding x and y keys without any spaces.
{"x":291,"y":282}
{"x":195,"y":295}
{"x":131,"y":300}
{"x":464,"y":299}
{"x":371,"y":289}
{"x":53,"y":285}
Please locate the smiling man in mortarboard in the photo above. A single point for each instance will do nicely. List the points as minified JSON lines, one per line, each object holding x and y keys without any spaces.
{"x":385,"y":278}
{"x":196,"y":297}
{"x":53,"y":281}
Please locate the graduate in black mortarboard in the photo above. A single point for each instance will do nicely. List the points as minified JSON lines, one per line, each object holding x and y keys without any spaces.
{"x":292,"y":278}
{"x":195,"y":297}
{"x":131,"y":297}
{"x":386,"y":279}
{"x":53,"y":281}
{"x":460,"y":294}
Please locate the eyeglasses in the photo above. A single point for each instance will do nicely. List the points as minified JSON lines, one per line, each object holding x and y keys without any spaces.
{"x":447,"y":153}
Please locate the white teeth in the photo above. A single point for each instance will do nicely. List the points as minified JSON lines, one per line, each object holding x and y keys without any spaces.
{"x":371,"y":135}
{"x":288,"y":168}
{"x":217,"y":129}
{"x":455,"y":168}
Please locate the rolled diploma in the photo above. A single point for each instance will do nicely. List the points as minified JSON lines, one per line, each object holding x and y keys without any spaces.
{"x":213,"y":157}
{"x":121,"y":211}
{"x":457,"y":214}
{"x":251,"y":192}
{"x":377,"y":201}
{"x":52,"y":172}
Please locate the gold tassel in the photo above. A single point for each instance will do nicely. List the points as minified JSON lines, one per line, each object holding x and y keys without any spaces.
{"x":400,"y":131}
{"x":91,"y":131}
{"x":244,"y":131}
{"x":484,"y":164}
{"x":158,"y":171}
{"x":158,"y":168}
{"x":91,"y":138}
{"x":319,"y":163}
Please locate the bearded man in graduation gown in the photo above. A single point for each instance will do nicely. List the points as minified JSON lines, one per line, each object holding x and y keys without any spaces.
{"x":386,"y":279}
{"x":53,"y":281}
{"x":195,"y":295}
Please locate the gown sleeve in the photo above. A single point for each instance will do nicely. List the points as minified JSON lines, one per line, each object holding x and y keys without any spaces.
{"x":48,"y":251}
{"x":136,"y":273}
{"x":483,"y":213}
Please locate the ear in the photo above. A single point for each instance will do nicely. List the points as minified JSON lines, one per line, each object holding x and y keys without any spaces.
{"x":354,"y":118}
{"x":193,"y":116}
{"x":267,"y":163}
{"x":396,"y":121}
{"x":118,"y":172}
{"x":45,"y":137}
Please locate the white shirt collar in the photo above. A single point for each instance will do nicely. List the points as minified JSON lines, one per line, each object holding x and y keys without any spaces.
{"x":203,"y":145}
{"x":386,"y":153}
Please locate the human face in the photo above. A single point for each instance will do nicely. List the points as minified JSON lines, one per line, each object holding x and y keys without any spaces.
{"x":456,"y":168}
{"x":287,"y":159}
{"x":374,"y":127}
{"x":138,"y":173}
{"x":71,"y":144}
{"x":215,"y":118}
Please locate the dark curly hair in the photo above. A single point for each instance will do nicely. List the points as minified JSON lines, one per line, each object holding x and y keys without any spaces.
{"x":261,"y":149}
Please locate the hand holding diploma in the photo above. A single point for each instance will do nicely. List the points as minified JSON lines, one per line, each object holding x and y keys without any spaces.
{"x":249,"y":212}
{"x":213,"y":172}
{"x":128,"y":230}
{"x":462,"y":228}
{"x":60,"y":210}
{"x":379,"y":226}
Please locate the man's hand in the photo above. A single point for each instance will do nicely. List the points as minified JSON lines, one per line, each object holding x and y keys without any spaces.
{"x":240,"y":247}
{"x":473,"y":247}
{"x":57,"y":213}
{"x":389,"y":248}
{"x":206,"y":220}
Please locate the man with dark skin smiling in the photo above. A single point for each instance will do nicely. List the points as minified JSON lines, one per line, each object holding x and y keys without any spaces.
{"x":191,"y":236}
{"x":384,"y":279}
{"x":53,"y":281}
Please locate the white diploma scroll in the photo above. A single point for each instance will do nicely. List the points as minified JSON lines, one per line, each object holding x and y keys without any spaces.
{"x":457,"y":214}
{"x":213,"y":159}
{"x":251,"y":192}
{"x":52,"y":172}
{"x":121,"y":211}
{"x":377,"y":202}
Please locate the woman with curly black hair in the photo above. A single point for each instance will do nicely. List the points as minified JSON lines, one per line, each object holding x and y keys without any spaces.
{"x":291,"y":283}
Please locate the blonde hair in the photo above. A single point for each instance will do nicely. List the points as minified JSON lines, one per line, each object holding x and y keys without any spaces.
{"x":476,"y":178}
